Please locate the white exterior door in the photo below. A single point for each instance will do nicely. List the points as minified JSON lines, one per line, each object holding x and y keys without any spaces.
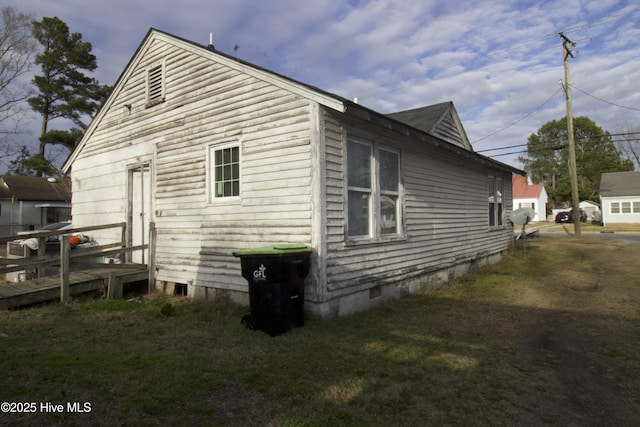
{"x":139,"y":210}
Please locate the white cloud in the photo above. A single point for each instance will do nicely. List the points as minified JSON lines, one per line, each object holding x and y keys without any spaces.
{"x":497,"y":60}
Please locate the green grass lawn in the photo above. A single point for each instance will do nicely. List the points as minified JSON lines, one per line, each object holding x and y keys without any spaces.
{"x":486,"y":350}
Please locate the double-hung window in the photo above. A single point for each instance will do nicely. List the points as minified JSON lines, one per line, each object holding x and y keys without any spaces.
{"x":373,"y":191}
{"x":224,"y":166}
{"x":495,"y":194}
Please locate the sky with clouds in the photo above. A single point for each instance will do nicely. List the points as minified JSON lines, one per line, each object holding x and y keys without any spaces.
{"x":499,"y":61}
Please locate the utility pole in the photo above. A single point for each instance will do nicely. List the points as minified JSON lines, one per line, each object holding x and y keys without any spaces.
{"x":575,"y":199}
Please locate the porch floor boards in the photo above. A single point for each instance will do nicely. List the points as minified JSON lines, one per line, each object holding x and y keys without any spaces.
{"x":44,"y":289}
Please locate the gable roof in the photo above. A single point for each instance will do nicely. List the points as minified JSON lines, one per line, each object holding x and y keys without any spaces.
{"x":620,"y":184}
{"x":523,"y":190}
{"x":440,"y":120}
{"x":425,"y":119}
{"x":34,"y":188}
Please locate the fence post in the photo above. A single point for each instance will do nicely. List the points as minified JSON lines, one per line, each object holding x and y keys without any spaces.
{"x":152,"y":257}
{"x":123,"y":242}
{"x":65,"y":248}
{"x":42,"y":251}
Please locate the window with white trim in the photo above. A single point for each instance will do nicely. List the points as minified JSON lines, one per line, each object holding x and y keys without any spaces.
{"x":155,"y":84}
{"x":615,"y":207}
{"x":495,"y":194}
{"x":373,"y":191}
{"x":224,"y":167}
{"x":632,"y":206}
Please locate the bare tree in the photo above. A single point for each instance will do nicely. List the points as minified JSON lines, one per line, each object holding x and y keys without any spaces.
{"x":629,"y":145}
{"x":17,"y":50}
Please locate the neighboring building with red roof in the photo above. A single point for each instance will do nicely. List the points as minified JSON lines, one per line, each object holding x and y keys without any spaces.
{"x":526,"y":195}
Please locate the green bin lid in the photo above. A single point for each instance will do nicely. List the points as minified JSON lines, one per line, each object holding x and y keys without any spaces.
{"x":279,"y":249}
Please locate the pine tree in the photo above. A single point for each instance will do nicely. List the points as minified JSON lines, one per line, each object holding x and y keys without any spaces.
{"x":65,"y":92}
{"x":19,"y":166}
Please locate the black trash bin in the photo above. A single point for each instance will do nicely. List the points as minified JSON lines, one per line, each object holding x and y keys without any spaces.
{"x":276,"y":286}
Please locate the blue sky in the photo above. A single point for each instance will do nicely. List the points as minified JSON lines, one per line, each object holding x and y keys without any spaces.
{"x":499,"y":61}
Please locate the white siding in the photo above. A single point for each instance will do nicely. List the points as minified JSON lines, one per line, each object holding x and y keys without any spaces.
{"x":610,"y":217}
{"x":540,"y":206}
{"x":292,"y":175}
{"x":446,"y":213}
{"x":206,"y":103}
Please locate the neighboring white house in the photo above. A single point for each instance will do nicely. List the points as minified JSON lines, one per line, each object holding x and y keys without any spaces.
{"x":527,"y":195}
{"x":223,"y":155}
{"x":30,"y":202}
{"x":620,"y":198}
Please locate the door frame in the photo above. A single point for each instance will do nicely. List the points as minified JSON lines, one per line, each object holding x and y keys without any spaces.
{"x":142,"y":193}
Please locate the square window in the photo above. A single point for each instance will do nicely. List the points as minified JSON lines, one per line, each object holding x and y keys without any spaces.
{"x":615,"y":207}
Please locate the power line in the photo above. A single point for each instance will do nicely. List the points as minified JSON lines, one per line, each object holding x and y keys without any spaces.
{"x":397,"y":86}
{"x":600,"y":139}
{"x":541,"y":149}
{"x":604,"y":100}
{"x":555,"y":148}
{"x":520,"y":119}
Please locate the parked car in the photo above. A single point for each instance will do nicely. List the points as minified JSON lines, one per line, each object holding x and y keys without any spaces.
{"x":567,"y":216}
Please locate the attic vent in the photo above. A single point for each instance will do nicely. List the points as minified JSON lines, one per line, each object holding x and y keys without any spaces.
{"x":155,"y":84}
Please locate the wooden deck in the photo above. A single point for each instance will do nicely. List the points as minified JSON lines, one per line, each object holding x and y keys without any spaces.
{"x":79,"y":272}
{"x":110,"y":277}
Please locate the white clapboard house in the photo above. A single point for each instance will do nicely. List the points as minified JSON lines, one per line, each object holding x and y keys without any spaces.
{"x":620,"y":197}
{"x":223,"y":155}
{"x":528,"y":195}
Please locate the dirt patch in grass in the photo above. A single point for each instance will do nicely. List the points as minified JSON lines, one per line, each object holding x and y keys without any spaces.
{"x":569,"y":331}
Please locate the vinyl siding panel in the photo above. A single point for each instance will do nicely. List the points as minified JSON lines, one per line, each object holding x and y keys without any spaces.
{"x":447,"y":130}
{"x":206,"y":104}
{"x":445,"y":212}
{"x":292,"y":171}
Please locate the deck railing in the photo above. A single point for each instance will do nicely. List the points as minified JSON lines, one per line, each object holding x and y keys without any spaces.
{"x":66,"y":256}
